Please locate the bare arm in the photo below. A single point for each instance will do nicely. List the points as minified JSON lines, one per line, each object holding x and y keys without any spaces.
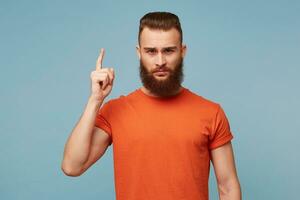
{"x":87,"y":143}
{"x":225,"y":170}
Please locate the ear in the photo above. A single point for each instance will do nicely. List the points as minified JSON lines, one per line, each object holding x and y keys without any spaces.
{"x":138,"y":51}
{"x":183,"y":50}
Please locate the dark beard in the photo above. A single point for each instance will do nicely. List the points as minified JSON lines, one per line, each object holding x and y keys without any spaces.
{"x":162,"y":88}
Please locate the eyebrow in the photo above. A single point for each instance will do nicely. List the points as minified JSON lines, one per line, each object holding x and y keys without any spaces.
{"x":152,"y":48}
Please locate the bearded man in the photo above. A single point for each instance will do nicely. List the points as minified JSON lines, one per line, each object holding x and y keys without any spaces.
{"x":164,"y":135}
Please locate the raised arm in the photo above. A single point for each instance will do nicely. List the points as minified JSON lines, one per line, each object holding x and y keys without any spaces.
{"x":225,"y":171}
{"x":87,"y":143}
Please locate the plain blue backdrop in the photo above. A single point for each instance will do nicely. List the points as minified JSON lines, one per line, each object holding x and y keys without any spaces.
{"x":243,"y":55}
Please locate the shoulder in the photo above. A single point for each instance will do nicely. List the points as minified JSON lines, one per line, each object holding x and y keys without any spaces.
{"x":121,"y":99}
{"x":203,"y":102}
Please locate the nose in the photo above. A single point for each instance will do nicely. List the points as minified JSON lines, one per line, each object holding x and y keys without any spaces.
{"x":160,"y":60}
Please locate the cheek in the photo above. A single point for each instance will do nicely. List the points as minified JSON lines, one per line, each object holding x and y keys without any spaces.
{"x":173,"y":61}
{"x":147,"y":61}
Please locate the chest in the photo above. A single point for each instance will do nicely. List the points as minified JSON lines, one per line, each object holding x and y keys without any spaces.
{"x":170,"y":128}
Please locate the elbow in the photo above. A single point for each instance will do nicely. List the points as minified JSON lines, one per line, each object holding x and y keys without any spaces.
{"x":70,"y":171}
{"x":230,"y":188}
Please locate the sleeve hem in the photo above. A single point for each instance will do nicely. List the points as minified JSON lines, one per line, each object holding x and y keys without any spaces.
{"x":222,"y":142}
{"x":106,"y":131}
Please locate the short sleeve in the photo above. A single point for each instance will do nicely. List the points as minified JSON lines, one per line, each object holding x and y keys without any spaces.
{"x":102,"y":120}
{"x":221,"y":132}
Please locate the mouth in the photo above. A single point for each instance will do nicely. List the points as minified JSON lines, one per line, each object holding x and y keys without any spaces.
{"x":161,"y":72}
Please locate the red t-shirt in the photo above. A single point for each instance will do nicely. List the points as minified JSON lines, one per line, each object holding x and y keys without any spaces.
{"x":161,"y":146}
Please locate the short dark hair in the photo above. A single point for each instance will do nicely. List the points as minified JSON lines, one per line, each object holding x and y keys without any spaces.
{"x":161,"y":21}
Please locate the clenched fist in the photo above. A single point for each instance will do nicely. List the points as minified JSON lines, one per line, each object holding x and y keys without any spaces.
{"x":101,"y":79}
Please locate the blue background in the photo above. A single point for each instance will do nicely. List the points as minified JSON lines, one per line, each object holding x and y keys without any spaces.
{"x":243,"y":55}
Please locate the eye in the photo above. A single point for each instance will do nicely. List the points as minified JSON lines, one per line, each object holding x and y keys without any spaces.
{"x":169,"y":51}
{"x":151,"y":51}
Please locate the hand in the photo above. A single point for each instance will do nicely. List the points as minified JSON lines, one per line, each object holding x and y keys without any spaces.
{"x":101,"y":79}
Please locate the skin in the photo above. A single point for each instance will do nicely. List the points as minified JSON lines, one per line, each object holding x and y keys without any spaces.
{"x":88,"y":143}
{"x":225,"y":171}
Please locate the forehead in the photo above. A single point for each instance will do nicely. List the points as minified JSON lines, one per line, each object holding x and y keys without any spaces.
{"x":159,"y":38}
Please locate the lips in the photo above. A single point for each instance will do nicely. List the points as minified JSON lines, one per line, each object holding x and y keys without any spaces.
{"x":160,"y":70}
{"x":161,"y":73}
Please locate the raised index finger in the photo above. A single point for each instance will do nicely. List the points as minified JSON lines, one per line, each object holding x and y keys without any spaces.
{"x":99,"y":60}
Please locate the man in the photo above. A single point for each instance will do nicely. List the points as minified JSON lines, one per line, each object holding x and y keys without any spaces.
{"x":164,"y":135}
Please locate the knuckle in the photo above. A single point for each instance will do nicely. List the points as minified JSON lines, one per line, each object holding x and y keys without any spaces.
{"x":104,"y":69}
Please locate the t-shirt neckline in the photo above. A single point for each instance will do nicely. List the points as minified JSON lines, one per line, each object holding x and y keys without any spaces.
{"x":141,"y":93}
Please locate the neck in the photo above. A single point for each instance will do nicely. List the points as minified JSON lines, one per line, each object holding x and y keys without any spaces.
{"x":147,"y":92}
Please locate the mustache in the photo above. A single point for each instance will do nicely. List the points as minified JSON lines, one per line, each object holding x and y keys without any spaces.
{"x":160,"y":69}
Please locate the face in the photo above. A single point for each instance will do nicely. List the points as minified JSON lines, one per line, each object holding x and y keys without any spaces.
{"x":161,"y":61}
